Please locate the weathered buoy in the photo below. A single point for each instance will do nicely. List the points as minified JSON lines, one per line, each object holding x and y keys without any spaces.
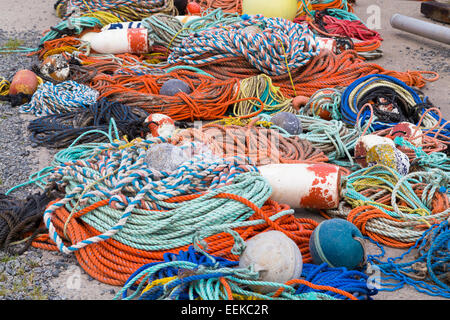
{"x":301,"y":185}
{"x":55,"y":67}
{"x":286,"y":9}
{"x":117,"y":41}
{"x":299,"y":101}
{"x":389,"y":156}
{"x":364,"y":143}
{"x":160,"y":125}
{"x":193,"y":8}
{"x":288,"y":121}
{"x":334,"y":242}
{"x":173,"y":86}
{"x":409,"y":131}
{"x":275,"y":256}
{"x":165,"y":157}
{"x":327,"y":44}
{"x":25,"y":82}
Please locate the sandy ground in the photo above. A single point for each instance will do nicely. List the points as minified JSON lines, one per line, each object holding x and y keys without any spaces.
{"x":402,"y":51}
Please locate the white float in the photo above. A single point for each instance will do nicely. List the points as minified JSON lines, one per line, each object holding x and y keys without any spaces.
{"x":275,"y":256}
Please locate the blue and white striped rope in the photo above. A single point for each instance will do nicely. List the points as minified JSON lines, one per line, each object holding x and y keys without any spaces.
{"x":63,"y":97}
{"x":279,"y":41}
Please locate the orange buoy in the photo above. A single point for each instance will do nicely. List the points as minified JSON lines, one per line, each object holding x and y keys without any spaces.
{"x":24,"y":81}
{"x":193,"y":8}
{"x":299,"y":101}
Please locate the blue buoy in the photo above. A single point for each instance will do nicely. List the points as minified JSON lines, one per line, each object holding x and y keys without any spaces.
{"x":287,"y":121}
{"x":173,"y":86}
{"x":333,"y":241}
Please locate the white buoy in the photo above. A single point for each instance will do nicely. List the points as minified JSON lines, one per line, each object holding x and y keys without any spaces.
{"x":275,"y":256}
{"x":123,"y":25}
{"x":302,"y":185}
{"x":327,"y":43}
{"x":118,"y":41}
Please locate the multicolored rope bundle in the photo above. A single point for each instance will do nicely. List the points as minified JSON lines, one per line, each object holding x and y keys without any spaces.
{"x":273,"y":46}
{"x":156,"y":211}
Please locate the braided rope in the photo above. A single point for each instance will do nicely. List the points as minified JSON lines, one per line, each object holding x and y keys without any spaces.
{"x":262,"y":49}
{"x":66,"y":96}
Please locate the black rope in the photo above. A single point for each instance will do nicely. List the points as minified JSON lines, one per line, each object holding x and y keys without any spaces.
{"x":17,"y":99}
{"x":60,"y":130}
{"x":20,"y":219}
{"x":384,"y":96}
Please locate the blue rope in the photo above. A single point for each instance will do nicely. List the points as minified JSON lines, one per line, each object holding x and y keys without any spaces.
{"x":434,"y":256}
{"x":349,"y":114}
{"x":352,"y":281}
{"x":191,"y":255}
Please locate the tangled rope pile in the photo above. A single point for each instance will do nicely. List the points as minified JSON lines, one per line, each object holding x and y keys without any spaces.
{"x":60,"y":130}
{"x":21,"y":219}
{"x":144,"y":206}
{"x":392,"y":209}
{"x":260,"y":145}
{"x":323,"y":71}
{"x":275,"y":47}
{"x":428,"y":273}
{"x":192,"y":275}
{"x":209,"y":99}
{"x":126,"y":10}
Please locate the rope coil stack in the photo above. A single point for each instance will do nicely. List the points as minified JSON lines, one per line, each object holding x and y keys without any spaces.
{"x":127,"y":10}
{"x":199,"y":194}
{"x":168,"y":216}
{"x":260,"y":145}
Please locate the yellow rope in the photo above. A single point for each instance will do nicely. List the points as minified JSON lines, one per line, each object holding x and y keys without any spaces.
{"x":4,"y":86}
{"x":158,"y":282}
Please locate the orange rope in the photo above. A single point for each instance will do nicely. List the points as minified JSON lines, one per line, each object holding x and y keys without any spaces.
{"x":325,"y":70}
{"x":113,"y":262}
{"x":315,"y":287}
{"x":209,"y":99}
{"x":261,"y":145}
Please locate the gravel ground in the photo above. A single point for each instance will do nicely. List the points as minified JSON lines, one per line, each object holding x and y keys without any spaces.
{"x":36,"y":274}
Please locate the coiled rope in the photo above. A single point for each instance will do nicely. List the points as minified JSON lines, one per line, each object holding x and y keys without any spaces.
{"x":126,"y":10}
{"x":58,"y":98}
{"x":194,"y":275}
{"x":279,"y":46}
{"x":116,"y":191}
{"x":261,"y":87}
{"x":60,"y":130}
{"x":392,"y":209}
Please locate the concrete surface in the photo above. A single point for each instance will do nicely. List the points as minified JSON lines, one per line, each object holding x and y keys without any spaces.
{"x":402,"y":52}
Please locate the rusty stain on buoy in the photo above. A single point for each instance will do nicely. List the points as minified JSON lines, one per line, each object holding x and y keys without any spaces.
{"x":324,"y":192}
